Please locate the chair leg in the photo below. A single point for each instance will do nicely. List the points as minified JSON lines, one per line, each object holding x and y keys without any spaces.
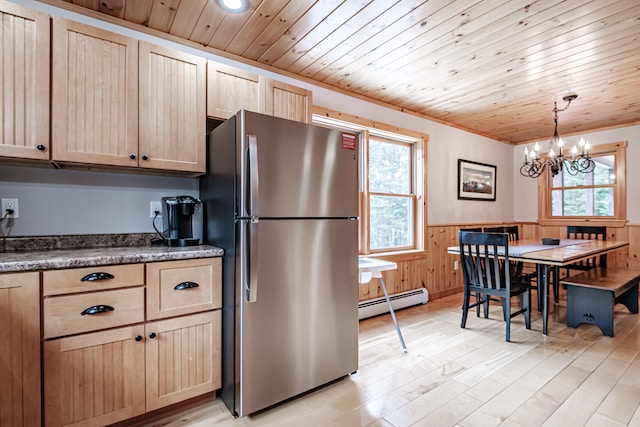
{"x":504,"y":309}
{"x":526,"y":302}
{"x":556,"y":283}
{"x":486,"y":306}
{"x":507,"y":310}
{"x":465,"y":307}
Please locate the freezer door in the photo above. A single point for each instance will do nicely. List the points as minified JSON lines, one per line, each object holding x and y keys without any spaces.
{"x":290,"y":169}
{"x":299,"y":320}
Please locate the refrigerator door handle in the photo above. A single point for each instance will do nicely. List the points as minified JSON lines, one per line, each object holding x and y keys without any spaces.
{"x":252,"y":170}
{"x":251,"y":281}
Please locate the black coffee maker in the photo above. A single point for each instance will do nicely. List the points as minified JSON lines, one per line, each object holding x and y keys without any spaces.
{"x":177,"y":218}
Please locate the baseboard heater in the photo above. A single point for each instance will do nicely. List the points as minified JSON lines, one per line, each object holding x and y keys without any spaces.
{"x":375,"y":306}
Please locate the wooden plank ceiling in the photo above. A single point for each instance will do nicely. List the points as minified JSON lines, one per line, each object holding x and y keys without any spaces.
{"x":494,"y":67}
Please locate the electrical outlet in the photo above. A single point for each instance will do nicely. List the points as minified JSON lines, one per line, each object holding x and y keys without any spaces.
{"x":455,"y":265}
{"x":155,"y":206}
{"x":10,"y":204}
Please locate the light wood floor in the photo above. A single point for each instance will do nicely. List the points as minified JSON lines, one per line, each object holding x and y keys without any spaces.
{"x":467,"y":377}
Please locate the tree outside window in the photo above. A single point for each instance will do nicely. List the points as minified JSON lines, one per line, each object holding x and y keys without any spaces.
{"x":391,"y":199}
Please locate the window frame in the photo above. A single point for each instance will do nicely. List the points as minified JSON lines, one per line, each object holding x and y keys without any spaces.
{"x":411,"y":195}
{"x":366,"y":129}
{"x":545,"y":189}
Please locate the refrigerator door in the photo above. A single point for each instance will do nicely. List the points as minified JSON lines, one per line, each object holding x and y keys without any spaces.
{"x":295,"y":170}
{"x":299,"y":319}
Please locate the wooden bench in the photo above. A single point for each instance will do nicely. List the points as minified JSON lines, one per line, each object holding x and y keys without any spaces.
{"x":592,"y":295}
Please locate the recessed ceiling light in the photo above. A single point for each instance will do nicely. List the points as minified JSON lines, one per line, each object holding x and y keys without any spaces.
{"x":233,"y":5}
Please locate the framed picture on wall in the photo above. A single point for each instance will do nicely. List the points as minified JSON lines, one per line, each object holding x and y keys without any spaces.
{"x":476,"y":181}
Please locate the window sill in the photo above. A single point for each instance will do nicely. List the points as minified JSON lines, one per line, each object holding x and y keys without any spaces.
{"x":601,"y":222}
{"x":398,"y":256}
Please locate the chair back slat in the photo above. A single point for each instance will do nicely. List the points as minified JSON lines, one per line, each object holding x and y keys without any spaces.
{"x":589,"y":232}
{"x":482,"y":267}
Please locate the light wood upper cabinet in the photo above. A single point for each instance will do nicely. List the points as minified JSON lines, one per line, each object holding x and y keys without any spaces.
{"x":230,"y":90}
{"x":95,"y":95}
{"x":20,"y":349}
{"x":121,"y":102}
{"x":172,"y":109}
{"x":24,"y":97}
{"x":287,"y":101}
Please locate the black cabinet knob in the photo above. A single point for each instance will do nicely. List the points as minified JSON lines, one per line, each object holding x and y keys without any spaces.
{"x":132,"y":156}
{"x":152,"y":335}
{"x":138,"y":337}
{"x":40,"y":147}
{"x":144,"y":157}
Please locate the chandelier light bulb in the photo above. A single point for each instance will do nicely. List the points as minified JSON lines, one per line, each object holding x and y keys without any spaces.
{"x":526,"y":151}
{"x":555,"y":161}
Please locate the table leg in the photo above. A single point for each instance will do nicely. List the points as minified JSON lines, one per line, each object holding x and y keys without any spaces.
{"x":545,"y":296}
{"x":393,"y":315}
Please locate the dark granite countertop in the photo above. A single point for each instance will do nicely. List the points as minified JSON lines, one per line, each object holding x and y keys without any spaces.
{"x":57,"y":257}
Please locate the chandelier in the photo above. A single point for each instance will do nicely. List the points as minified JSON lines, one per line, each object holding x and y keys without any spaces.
{"x":579,"y":161}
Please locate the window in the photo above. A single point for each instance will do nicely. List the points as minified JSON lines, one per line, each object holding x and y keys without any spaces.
{"x":391,"y":184}
{"x":391,"y":195}
{"x":598,"y":195}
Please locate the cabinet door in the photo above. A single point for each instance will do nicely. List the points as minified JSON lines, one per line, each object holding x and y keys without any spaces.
{"x":172,"y":109}
{"x":94,"y":379}
{"x":94,"y":95}
{"x":287,"y":101}
{"x":20,"y":349}
{"x":183,"y":358}
{"x":230,"y":90}
{"x":24,"y":96}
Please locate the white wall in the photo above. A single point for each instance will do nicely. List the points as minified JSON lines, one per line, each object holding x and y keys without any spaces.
{"x":526,"y":190}
{"x":60,"y":202}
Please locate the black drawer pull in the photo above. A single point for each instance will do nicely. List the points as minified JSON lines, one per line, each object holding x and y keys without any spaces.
{"x":96,"y":309}
{"x":97,"y":276}
{"x":138,"y":337}
{"x":185,"y":285}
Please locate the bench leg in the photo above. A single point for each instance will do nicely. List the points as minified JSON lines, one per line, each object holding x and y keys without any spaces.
{"x":630,"y":299}
{"x":592,"y":306}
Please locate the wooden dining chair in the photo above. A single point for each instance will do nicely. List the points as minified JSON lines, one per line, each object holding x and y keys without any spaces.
{"x":485,"y":274}
{"x":493,"y":229}
{"x":586,"y":232}
{"x":477,"y":296}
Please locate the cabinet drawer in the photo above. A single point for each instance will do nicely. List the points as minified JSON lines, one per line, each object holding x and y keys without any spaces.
{"x":57,"y":282}
{"x":62,"y":315}
{"x":182,"y":287}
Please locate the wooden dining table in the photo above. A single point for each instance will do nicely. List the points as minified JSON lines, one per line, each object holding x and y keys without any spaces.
{"x":568,"y":251}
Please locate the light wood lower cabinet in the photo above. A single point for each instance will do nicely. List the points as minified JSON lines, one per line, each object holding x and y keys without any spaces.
{"x":183,"y":358}
{"x":107,"y":367}
{"x":20,"y":349}
{"x":94,"y":379}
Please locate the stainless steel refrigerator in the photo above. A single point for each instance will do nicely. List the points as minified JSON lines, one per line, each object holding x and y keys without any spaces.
{"x":281,"y":198}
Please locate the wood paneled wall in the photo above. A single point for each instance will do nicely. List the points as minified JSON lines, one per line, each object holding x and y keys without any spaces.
{"x":434,"y":269}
